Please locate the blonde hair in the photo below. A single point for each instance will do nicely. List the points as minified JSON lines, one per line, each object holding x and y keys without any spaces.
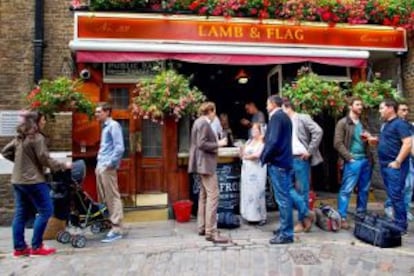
{"x":206,"y":107}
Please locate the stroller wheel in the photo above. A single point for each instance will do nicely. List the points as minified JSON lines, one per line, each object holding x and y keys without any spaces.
{"x":79,"y":241}
{"x":63,"y":237}
{"x":96,"y":227}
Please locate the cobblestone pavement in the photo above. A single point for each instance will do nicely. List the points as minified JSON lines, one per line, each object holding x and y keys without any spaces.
{"x":171,"y":248}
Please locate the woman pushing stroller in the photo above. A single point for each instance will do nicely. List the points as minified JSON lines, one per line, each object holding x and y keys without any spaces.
{"x":30,"y":154}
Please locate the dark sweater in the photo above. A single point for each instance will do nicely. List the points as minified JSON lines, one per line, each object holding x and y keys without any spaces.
{"x":278,"y":141}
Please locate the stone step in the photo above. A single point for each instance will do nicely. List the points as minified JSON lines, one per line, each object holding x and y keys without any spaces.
{"x":145,"y":214}
{"x":151,"y":199}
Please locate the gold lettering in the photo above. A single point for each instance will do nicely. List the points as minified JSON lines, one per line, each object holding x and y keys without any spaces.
{"x":212,"y":32}
{"x":288,"y":34}
{"x":226,"y":32}
{"x":367,"y":38}
{"x":201,"y":31}
{"x":299,"y":35}
{"x":238,"y":32}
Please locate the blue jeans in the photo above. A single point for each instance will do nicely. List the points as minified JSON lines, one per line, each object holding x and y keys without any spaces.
{"x":408,"y":188}
{"x":38,"y":195}
{"x":282,"y":183}
{"x":300,"y":192}
{"x":355,"y":173}
{"x":394,"y":181}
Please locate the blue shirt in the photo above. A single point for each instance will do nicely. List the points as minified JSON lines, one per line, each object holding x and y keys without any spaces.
{"x":111,"y":148}
{"x":392,"y":132}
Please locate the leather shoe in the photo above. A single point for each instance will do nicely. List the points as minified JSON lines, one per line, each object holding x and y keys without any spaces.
{"x":308,"y":221}
{"x":201,"y":233}
{"x":280,"y":240}
{"x":276,"y":232}
{"x":217,"y":239}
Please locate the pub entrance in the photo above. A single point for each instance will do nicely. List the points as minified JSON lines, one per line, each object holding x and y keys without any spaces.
{"x":220,"y":85}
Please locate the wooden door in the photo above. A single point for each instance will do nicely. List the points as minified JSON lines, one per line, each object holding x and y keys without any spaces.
{"x":119,"y":96}
{"x":151,"y":157}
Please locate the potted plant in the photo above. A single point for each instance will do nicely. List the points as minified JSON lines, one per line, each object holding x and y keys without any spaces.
{"x":166,"y":94}
{"x":61,"y":94}
{"x":312,"y":95}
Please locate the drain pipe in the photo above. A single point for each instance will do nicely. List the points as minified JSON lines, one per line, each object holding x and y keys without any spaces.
{"x":38,"y":42}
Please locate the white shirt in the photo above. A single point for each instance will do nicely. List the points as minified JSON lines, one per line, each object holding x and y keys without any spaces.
{"x":297,"y":147}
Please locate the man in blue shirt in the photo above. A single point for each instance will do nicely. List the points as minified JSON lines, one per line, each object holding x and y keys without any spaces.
{"x":393,"y":149}
{"x":109,"y":158}
{"x":277,"y":153}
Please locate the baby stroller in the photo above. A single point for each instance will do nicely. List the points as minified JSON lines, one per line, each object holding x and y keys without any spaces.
{"x":75,"y":206}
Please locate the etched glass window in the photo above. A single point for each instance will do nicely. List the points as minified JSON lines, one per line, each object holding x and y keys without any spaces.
{"x":119,"y":98}
{"x":151,"y":139}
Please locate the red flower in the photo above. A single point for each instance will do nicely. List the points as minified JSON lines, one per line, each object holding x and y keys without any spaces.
{"x":386,"y":22}
{"x":194,"y":5}
{"x":326,"y":16}
{"x":253,"y":11}
{"x":36,"y":104}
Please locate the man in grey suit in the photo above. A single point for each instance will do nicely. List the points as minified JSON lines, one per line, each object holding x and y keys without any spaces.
{"x":306,"y":137}
{"x":203,"y":161}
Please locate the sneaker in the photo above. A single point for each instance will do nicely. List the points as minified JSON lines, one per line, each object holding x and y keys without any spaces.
{"x":389,"y":212}
{"x":21,"y":253}
{"x":410,"y":216}
{"x":112,"y":236}
{"x":42,"y":251}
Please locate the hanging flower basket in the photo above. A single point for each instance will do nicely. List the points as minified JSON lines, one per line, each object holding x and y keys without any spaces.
{"x":53,"y":96}
{"x":312,"y":95}
{"x":167,"y":94}
{"x":374,"y":92}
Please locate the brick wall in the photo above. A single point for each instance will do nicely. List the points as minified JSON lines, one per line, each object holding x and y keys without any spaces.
{"x":16,"y":78}
{"x":408,"y":76}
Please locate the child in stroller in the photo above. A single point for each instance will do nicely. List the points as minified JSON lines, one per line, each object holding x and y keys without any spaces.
{"x":75,"y":206}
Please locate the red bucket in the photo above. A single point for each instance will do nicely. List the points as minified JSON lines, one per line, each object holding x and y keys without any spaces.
{"x":182,"y":210}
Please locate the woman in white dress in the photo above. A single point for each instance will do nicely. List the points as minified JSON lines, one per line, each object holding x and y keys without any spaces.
{"x":253,"y":179}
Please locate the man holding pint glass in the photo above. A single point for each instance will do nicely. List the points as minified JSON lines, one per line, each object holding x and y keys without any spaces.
{"x":351,"y":141}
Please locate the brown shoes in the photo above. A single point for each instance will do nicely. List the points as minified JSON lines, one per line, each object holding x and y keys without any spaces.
{"x":308,"y":221}
{"x":298,"y":228}
{"x":344,"y":224}
{"x":201,"y":233}
{"x":216,"y":238}
{"x":305,"y":225}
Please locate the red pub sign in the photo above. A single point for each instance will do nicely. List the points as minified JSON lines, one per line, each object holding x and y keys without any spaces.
{"x":236,"y":31}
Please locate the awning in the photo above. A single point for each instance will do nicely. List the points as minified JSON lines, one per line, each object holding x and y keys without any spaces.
{"x":116,"y":51}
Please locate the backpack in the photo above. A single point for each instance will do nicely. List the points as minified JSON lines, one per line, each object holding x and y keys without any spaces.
{"x":327,"y":218}
{"x":227,"y":220}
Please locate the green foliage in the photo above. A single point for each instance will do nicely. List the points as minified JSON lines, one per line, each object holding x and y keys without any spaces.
{"x":373,"y":92}
{"x":52,"y":96}
{"x":312,"y":95}
{"x":167,"y":94}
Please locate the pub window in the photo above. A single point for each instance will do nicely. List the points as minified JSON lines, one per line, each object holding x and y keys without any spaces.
{"x":119,"y":98}
{"x":125,"y":132}
{"x":151,"y":139}
{"x":184,"y":134}
{"x":332,"y":73}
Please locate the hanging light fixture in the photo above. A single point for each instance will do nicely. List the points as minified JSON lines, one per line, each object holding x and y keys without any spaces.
{"x":242,"y":77}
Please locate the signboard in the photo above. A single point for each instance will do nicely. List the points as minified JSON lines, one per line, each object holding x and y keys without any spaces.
{"x":247,"y":32}
{"x":127,"y":72}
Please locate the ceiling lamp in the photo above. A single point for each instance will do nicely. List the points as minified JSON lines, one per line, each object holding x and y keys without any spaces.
{"x":242,"y":77}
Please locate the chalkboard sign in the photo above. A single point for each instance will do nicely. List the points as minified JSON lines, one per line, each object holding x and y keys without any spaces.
{"x":228,"y":176}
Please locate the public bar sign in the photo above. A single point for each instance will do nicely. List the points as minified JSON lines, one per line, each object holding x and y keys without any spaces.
{"x":190,"y":29}
{"x":126,"y":72}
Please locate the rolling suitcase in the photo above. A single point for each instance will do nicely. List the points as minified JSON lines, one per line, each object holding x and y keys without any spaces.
{"x":377,"y":231}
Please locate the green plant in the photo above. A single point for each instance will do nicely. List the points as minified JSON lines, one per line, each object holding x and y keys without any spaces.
{"x":52,"y":96}
{"x":311,"y":94}
{"x":373,"y":92}
{"x":168,"y":93}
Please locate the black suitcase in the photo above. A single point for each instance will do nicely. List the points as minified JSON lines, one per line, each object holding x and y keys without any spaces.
{"x":377,"y":231}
